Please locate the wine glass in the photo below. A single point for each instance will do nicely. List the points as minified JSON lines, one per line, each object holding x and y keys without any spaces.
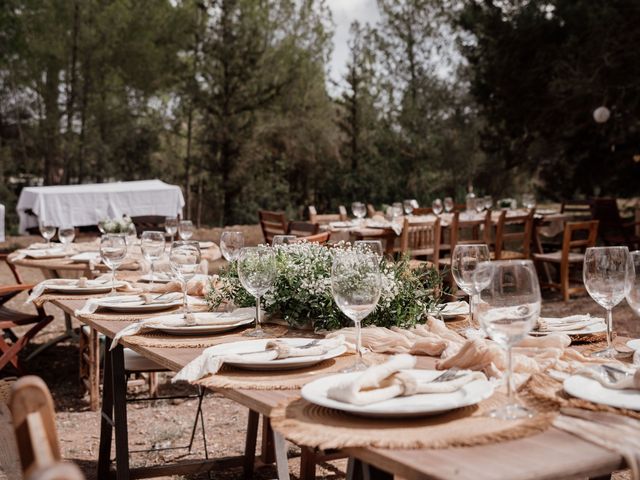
{"x":185,"y":229}
{"x":257,"y":271}
{"x":606,"y":274}
{"x":479,"y":204}
{"x":47,"y":231}
{"x":283,"y":240}
{"x":528,"y":200}
{"x":508,"y":309}
{"x":359,"y":210}
{"x":488,"y":202}
{"x":171,"y":226}
{"x":437,"y":206}
{"x":408,"y":207}
{"x":397,"y":209}
{"x":101,"y":227}
{"x":448,"y":204}
{"x":184,"y":259}
{"x":356,"y":285}
{"x":633,"y":279}
{"x":371,"y":246}
{"x":66,"y":234}
{"x":113,"y":250}
{"x":131,"y":234}
{"x":230,"y":244}
{"x":464,"y":260}
{"x":152,"y":245}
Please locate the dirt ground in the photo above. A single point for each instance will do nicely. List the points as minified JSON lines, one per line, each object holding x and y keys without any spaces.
{"x":168,"y":423}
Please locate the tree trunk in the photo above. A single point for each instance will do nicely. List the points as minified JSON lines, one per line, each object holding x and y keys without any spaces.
{"x":52,"y":174}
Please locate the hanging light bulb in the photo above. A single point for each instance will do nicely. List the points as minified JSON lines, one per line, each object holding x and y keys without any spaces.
{"x":601,"y":114}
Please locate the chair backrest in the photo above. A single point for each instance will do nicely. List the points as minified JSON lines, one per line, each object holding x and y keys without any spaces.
{"x":372,"y":212}
{"x":421,"y":238}
{"x":422,"y":211}
{"x":272,"y":223}
{"x":321,"y":238}
{"x":514,"y":229}
{"x":469,"y":230}
{"x":579,"y":235}
{"x":154,"y":223}
{"x":303,"y":229}
{"x":323,"y":219}
{"x":578,"y":208}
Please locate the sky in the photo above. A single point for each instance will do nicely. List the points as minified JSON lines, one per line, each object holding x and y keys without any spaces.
{"x":345,"y":12}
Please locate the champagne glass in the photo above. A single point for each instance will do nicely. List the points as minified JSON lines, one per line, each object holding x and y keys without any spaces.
{"x":528,"y":200}
{"x":359,"y":210}
{"x":408,"y":207}
{"x":185,"y":229}
{"x":66,"y":234}
{"x":283,"y":240}
{"x":257,"y":271}
{"x":488,"y":202}
{"x":464,"y":261}
{"x":171,"y":226}
{"x":184,"y":258}
{"x":356,"y":285}
{"x":633,"y":279}
{"x":437,"y":206}
{"x":448,"y":204}
{"x":47,"y":231}
{"x":230,"y":244}
{"x":606,"y":274}
{"x":508,"y":309}
{"x":152,"y":245}
{"x":370,"y":246}
{"x":113,"y":250}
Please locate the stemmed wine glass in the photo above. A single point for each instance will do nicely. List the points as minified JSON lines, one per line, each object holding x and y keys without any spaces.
{"x":359,"y":210}
{"x":371,"y":246}
{"x":488,"y":202}
{"x":437,"y":206}
{"x":257,"y":272}
{"x":606,"y":274}
{"x":185,"y":229}
{"x":283,"y":240}
{"x":113,"y":250}
{"x":230,"y":244}
{"x":184,"y":258}
{"x":633,"y":279}
{"x":171,"y":226}
{"x":480,"y":204}
{"x":408,"y":207}
{"x":356,"y":285}
{"x":47,"y":231}
{"x":448,"y":204}
{"x":66,"y":234}
{"x":508,"y":310}
{"x":464,"y":260}
{"x":397,"y":209}
{"x":529,"y":200}
{"x":152,"y":245}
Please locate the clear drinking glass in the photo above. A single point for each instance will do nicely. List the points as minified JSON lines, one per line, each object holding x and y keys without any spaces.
{"x":479,"y":204}
{"x":230,"y":244}
{"x":185,"y":229}
{"x":171,"y":226}
{"x":152,"y":245}
{"x":48,"y":232}
{"x":355,"y":284}
{"x":257,"y":272}
{"x":359,"y":210}
{"x":66,"y":235}
{"x":633,"y":279}
{"x":101,"y":227}
{"x":408,"y":207}
{"x":132,"y":234}
{"x":113,"y":250}
{"x":448,"y":204}
{"x":370,"y":246}
{"x":283,"y":239}
{"x":464,"y":261}
{"x":184,"y":258}
{"x":437,"y":206}
{"x":488,"y":202}
{"x":508,"y":309}
{"x":606,"y":277}
{"x":529,"y":200}
{"x":397,"y":209}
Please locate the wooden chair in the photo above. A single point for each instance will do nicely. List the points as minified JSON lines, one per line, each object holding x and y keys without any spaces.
{"x":421,"y":239}
{"x":272,"y":223}
{"x":303,"y":229}
{"x":326,"y":218}
{"x":577,"y":236}
{"x":322,"y":238}
{"x":613,"y":229}
{"x":372,"y":212}
{"x":465,"y":231}
{"x":422,"y":211}
{"x":154,"y":223}
{"x":34,"y":425}
{"x":579,"y":209}
{"x":510,"y":230}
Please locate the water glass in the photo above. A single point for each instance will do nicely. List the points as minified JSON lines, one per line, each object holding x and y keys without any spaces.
{"x":113,"y":250}
{"x":171,"y":226}
{"x":488,"y":202}
{"x":508,"y":310}
{"x":397,"y":209}
{"x":257,"y":271}
{"x":152,"y":245}
{"x":633,"y":279}
{"x":66,"y":234}
{"x":132,"y":234}
{"x":437,"y":206}
{"x":408,"y":207}
{"x":448,"y":204}
{"x":283,"y":240}
{"x":230,"y":244}
{"x":479,"y":204}
{"x":356,"y":285}
{"x":359,"y":210}
{"x":529,"y":200}
{"x":184,"y":259}
{"x":47,"y":231}
{"x":185,"y":229}
{"x":464,"y":261}
{"x":370,"y":246}
{"x":606,"y":273}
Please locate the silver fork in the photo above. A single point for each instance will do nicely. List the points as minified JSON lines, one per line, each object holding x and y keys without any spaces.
{"x":448,"y":375}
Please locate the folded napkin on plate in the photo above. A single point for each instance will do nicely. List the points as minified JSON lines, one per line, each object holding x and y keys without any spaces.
{"x":629,"y":380}
{"x":390,"y":380}
{"x":460,"y":307}
{"x":103,"y":280}
{"x":197,"y":286}
{"x":208,"y":363}
{"x":41,"y":252}
{"x":572,"y":322}
{"x":92,"y":305}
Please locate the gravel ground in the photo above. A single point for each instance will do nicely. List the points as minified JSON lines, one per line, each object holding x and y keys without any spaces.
{"x":168,"y":423}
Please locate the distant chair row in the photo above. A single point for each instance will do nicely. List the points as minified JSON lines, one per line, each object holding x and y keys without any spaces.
{"x":276,"y":223}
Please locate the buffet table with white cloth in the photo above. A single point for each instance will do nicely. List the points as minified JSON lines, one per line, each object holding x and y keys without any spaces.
{"x":85,"y":205}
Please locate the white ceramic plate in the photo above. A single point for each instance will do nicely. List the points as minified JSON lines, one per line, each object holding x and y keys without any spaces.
{"x":634,"y":344}
{"x":411,"y":406}
{"x":86,"y":257}
{"x":243,"y":316}
{"x":281,"y":364}
{"x":138,"y":306}
{"x":45,"y":254}
{"x":589,"y":330}
{"x":88,"y":289}
{"x":591,"y":390}
{"x":205,"y":245}
{"x":157,"y":278}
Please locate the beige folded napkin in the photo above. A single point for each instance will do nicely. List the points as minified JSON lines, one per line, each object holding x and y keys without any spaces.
{"x":630,"y":381}
{"x":92,"y":305}
{"x":104,"y":280}
{"x":209,"y":363}
{"x":392,"y":379}
{"x":460,"y":307}
{"x":44,"y":252}
{"x":570,"y":323}
{"x":197,"y":286}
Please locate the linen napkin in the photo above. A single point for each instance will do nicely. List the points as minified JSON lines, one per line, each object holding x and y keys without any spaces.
{"x":460,"y":307}
{"x":103,"y":280}
{"x":197,"y":286}
{"x":629,"y":380}
{"x":565,"y":324}
{"x":390,"y":380}
{"x":209,"y":363}
{"x":178,"y":320}
{"x":92,"y":305}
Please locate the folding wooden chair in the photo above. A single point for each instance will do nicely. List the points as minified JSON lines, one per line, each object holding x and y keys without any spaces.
{"x":303,"y":229}
{"x":323,"y":219}
{"x":466,"y":230}
{"x":272,"y":224}
{"x":154,"y":223}
{"x":513,"y":230}
{"x":420,"y":240}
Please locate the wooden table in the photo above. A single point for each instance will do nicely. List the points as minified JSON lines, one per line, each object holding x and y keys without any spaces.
{"x":551,"y":454}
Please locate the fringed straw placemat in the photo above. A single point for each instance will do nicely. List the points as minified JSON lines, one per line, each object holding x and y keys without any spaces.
{"x":313,"y":426}
{"x":50,"y":297}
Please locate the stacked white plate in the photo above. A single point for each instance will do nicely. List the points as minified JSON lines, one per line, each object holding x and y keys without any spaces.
{"x":137,"y":304}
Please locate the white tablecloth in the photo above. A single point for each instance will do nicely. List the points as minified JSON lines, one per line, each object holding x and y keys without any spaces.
{"x":83,"y":205}
{"x":1,"y":223}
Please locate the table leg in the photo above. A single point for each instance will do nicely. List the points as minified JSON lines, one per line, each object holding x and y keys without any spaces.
{"x":106,"y":424}
{"x":250,"y":445}
{"x":267,"y":454}
{"x":119,"y":380}
{"x":308,"y":461}
{"x":358,"y":470}
{"x":282,"y":464}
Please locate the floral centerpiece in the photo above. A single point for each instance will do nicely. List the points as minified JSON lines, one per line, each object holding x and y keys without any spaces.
{"x":302,"y":292}
{"x":116,"y":225}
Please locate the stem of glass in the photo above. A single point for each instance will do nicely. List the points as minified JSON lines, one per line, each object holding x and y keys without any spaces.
{"x":359,"y":361}
{"x":258,"y":319}
{"x":113,"y":280}
{"x":185,"y":304}
{"x":508,"y":375}
{"x":471,"y":310}
{"x":151,"y":283}
{"x":609,"y":327}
